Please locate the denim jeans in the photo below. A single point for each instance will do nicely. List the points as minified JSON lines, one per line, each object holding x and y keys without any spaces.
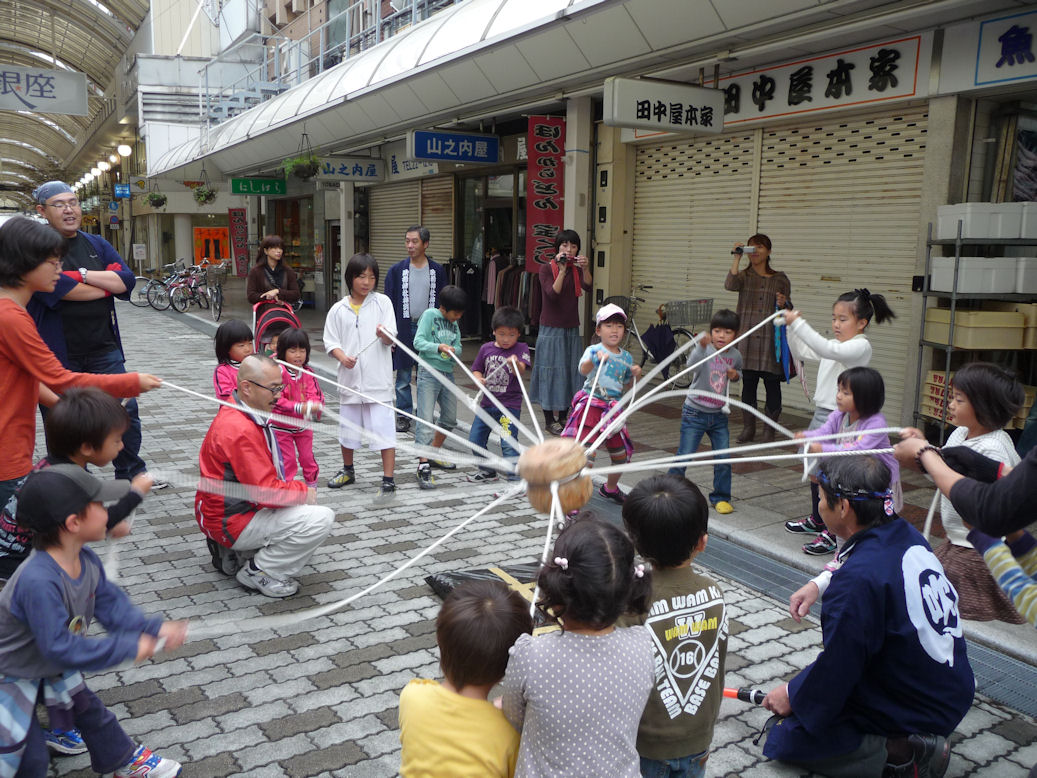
{"x":128,"y":463}
{"x":693,"y":766}
{"x":695,"y":424}
{"x":404,"y":398}
{"x":480,"y":433}
{"x":430,"y":392}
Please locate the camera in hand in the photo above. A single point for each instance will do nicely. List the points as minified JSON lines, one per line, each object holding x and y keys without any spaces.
{"x":563,"y":259}
{"x":744,"y":250}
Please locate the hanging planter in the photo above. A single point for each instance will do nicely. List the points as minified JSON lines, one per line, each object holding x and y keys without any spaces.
{"x":203,"y":195}
{"x":305,"y":164}
{"x":156,"y":199}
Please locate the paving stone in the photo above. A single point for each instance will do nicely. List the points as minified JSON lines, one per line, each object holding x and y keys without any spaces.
{"x":291,"y":725}
{"x":209,"y":708}
{"x":332,"y":757}
{"x":266,"y":753}
{"x":288,"y":643}
{"x":215,"y":766}
{"x":164,"y":702}
{"x":356,"y":729}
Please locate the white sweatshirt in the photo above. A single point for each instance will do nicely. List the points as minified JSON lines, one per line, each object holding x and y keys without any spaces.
{"x":833,"y":357}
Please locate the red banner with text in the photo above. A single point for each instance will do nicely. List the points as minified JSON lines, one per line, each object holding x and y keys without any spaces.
{"x":545,"y":188}
{"x":239,"y":240}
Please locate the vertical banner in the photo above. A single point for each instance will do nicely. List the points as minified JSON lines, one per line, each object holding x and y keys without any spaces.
{"x":545,"y":188}
{"x":211,"y":243}
{"x":239,"y":240}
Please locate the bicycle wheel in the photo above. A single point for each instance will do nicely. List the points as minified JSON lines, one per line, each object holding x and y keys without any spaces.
{"x":681,"y":337}
{"x":158,"y":296}
{"x":178,"y":299}
{"x":139,"y":295}
{"x":201,"y":294}
{"x":216,"y":308}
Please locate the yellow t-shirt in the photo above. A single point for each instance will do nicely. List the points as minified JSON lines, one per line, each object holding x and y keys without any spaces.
{"x":445,"y":734}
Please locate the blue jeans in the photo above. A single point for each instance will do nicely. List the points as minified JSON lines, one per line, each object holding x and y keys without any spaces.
{"x":693,"y":766}
{"x":128,"y":463}
{"x":695,"y":424}
{"x":480,"y":433}
{"x":404,"y":399}
{"x":430,"y":392}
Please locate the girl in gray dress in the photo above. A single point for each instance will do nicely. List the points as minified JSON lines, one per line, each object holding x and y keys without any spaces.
{"x":577,"y":694}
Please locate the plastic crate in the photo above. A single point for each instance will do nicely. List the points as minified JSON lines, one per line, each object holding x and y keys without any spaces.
{"x":685,"y":313}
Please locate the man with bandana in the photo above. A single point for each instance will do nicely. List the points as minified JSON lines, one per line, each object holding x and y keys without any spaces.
{"x":77,"y":320}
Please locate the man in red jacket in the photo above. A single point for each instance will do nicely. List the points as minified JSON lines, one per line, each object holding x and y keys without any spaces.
{"x":273,"y":523}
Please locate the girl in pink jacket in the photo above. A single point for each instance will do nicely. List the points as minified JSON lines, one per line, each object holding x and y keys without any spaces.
{"x":301,"y":398}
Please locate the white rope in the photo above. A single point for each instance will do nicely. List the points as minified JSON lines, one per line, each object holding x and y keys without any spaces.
{"x":210,"y":628}
{"x":929,"y":516}
{"x":453,"y":436}
{"x":590,"y":396}
{"x":634,"y":467}
{"x":532,"y":413}
{"x":556,"y":511}
{"x":619,"y":420}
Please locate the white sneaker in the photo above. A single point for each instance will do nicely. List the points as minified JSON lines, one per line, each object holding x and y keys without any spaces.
{"x":266,"y":584}
{"x":145,"y":764}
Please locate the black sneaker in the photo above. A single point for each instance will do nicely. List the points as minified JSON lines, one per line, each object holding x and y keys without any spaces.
{"x":425,"y":479}
{"x":342,"y":478}
{"x":223,"y":559}
{"x":804,"y":526}
{"x":824,"y":543}
{"x":482,"y":477}
{"x":617,"y":496}
{"x":441,"y":464}
{"x":402,"y":424}
{"x":932,"y":754}
{"x":387,"y":493}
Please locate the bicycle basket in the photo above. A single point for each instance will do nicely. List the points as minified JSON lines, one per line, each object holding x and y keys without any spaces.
{"x":687,"y":313}
{"x":620,"y":300}
{"x":216,"y":274}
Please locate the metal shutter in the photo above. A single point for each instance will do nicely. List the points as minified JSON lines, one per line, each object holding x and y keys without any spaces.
{"x":393,"y":208}
{"x":437,"y":214}
{"x":691,"y":203}
{"x":840,"y":201}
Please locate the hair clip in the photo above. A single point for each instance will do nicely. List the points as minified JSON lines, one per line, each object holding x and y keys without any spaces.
{"x":639,"y":571}
{"x":562,"y":562}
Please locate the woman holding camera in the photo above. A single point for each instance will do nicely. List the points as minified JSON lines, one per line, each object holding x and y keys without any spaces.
{"x":556,"y":366}
{"x":761,"y":290}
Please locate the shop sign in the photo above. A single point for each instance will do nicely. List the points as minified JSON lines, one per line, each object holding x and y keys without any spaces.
{"x":894,"y":70}
{"x":42,"y":91}
{"x":435,"y":146}
{"x":545,"y":188}
{"x":989,"y":52}
{"x":400,"y":168}
{"x":122,"y":191}
{"x":238,"y":225}
{"x":258,"y":186}
{"x":356,"y":169}
{"x":662,"y":105}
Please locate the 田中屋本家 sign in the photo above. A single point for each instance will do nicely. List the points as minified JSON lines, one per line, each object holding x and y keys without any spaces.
{"x":662,"y":105}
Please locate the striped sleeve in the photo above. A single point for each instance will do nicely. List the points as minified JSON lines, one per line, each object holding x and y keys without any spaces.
{"x":1010,"y":576}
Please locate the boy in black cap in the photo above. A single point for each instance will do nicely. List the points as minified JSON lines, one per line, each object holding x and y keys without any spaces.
{"x":45,"y":611}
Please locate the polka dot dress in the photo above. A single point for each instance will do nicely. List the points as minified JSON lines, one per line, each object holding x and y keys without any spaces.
{"x":577,"y":700}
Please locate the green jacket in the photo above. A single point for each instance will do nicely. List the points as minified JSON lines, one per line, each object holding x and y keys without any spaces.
{"x":433,"y":330}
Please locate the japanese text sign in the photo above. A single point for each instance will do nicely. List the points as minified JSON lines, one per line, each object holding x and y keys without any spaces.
{"x":122,"y":191}
{"x":662,"y":105}
{"x":545,"y":188}
{"x":452,"y":146}
{"x":992,"y":51}
{"x":357,"y":169}
{"x":42,"y":91}
{"x":258,"y":186}
{"x":238,"y":222}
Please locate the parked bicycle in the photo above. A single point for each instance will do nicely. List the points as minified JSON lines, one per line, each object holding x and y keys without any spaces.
{"x":190,"y":289}
{"x":158,"y":290}
{"x":679,"y":316}
{"x":214,"y":278}
{"x":142,"y":284}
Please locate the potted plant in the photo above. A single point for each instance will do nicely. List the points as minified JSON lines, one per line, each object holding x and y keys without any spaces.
{"x":204,"y":194}
{"x":303,"y":166}
{"x":156,"y":199}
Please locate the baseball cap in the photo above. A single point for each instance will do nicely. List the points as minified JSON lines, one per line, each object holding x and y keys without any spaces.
{"x":607,"y":312}
{"x":44,"y":192}
{"x":50,"y":495}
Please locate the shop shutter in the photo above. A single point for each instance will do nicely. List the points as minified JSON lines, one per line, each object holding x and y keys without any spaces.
{"x":437,"y":214}
{"x":392,"y":209}
{"x":840,"y":200}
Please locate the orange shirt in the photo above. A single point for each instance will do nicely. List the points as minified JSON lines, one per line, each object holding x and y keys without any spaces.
{"x":25,"y":362}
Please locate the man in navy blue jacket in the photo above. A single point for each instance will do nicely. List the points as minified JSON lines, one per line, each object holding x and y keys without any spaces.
{"x":77,"y":320}
{"x":893,"y":680}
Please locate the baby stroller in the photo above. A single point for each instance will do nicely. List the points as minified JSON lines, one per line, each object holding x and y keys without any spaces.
{"x":270,"y":319}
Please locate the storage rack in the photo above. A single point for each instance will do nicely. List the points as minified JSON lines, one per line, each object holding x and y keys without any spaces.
{"x":954,"y":295}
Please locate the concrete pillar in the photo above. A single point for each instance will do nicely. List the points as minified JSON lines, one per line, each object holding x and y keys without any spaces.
{"x":613,"y":217}
{"x":347,"y":230}
{"x":183,"y":237}
{"x":579,"y":136}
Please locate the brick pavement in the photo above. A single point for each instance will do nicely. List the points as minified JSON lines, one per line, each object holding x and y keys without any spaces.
{"x":319,"y":698}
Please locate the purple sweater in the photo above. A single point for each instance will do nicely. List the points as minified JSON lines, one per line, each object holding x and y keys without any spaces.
{"x":866,"y":441}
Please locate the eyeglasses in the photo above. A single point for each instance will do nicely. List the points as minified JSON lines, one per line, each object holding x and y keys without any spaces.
{"x":65,"y":205}
{"x":274,"y":390}
{"x":55,"y":263}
